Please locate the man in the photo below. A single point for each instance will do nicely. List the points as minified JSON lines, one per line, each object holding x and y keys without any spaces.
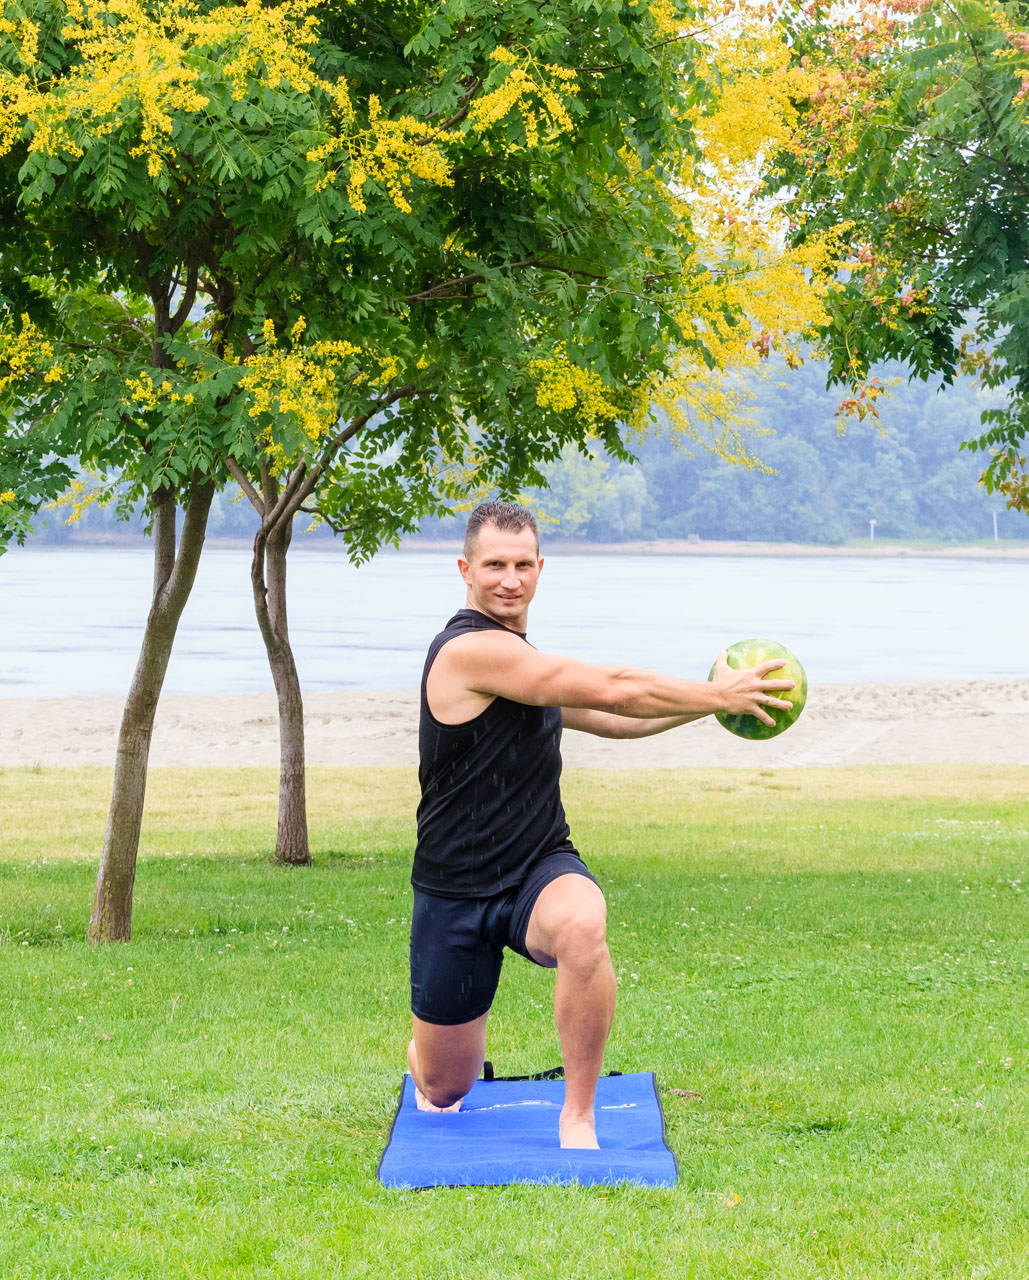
{"x":494,"y":865}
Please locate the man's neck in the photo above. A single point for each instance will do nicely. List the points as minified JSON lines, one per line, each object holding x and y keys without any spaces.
{"x":519,"y":625}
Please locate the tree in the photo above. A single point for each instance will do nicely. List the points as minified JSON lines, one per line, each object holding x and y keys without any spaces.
{"x":381,"y":256}
{"x":912,"y":148}
{"x":113,"y":246}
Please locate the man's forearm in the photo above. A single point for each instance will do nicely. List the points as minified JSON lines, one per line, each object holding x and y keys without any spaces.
{"x":634,"y":727}
{"x":605,"y":724}
{"x":651,"y":695}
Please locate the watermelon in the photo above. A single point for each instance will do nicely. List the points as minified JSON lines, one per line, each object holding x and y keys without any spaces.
{"x":748,"y":653}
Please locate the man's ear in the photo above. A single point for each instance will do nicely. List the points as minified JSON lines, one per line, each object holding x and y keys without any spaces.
{"x":464,"y":568}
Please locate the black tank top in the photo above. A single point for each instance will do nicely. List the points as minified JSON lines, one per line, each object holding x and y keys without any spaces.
{"x":491,"y":801}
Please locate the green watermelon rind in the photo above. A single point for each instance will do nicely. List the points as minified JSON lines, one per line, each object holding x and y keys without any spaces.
{"x":748,"y":653}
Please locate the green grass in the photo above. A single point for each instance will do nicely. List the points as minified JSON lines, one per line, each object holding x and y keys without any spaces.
{"x":835,"y":961}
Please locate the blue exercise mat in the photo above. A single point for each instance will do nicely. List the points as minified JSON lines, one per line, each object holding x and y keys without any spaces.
{"x":506,"y":1131}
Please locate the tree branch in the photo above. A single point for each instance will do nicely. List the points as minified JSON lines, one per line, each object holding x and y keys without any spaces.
{"x":163,"y":506}
{"x":337,"y":526}
{"x":290,"y":504}
{"x":243,"y":480}
{"x":566,"y":271}
{"x":269,"y":485}
{"x":100,"y":346}
{"x":446,"y":289}
{"x":458,"y":116}
{"x":176,"y":321}
{"x":285,"y":508}
{"x":1013,"y":170}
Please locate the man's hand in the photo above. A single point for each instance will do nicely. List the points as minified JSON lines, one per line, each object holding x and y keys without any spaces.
{"x":748,"y":691}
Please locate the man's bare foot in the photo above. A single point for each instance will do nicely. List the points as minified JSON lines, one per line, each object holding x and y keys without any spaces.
{"x":578,"y":1133}
{"x":425,"y":1105}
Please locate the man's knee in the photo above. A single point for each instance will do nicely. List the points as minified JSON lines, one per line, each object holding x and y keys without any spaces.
{"x":444,"y":1093}
{"x":581,"y":939}
{"x":446,"y":1061}
{"x":569,"y":923}
{"x":444,"y":1081}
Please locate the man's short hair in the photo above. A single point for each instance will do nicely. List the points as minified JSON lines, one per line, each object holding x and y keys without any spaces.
{"x":509,"y":517}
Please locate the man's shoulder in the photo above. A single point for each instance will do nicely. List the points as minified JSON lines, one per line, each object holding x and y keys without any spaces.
{"x":464,"y":669}
{"x":457,"y":642}
{"x":468,"y":626}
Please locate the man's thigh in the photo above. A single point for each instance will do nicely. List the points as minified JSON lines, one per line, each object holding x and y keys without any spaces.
{"x":455,"y":965}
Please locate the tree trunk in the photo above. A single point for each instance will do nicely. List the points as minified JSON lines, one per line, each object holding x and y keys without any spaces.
{"x":268,"y":577}
{"x":174,"y":574}
{"x":277,"y":505}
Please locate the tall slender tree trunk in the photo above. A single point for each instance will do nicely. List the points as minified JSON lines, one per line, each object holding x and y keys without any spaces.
{"x":268,"y":578}
{"x":174,"y":574}
{"x":277,"y":503}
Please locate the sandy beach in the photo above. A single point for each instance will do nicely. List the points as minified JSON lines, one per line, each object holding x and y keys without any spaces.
{"x":973,"y":722}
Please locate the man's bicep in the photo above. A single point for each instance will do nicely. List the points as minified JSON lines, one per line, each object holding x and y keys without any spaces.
{"x":509,"y":668}
{"x":547,"y":680}
{"x":514,"y":671}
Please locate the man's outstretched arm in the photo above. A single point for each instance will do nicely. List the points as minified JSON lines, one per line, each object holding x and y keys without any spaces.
{"x":490,"y":664}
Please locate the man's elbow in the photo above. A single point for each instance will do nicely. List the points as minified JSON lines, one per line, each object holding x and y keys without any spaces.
{"x":620,"y":692}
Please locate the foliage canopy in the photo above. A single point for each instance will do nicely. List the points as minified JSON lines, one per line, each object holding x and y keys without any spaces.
{"x":385,"y":252}
{"x":913,"y":143}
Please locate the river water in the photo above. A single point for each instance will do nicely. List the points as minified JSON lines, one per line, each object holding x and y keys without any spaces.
{"x":71,"y":619}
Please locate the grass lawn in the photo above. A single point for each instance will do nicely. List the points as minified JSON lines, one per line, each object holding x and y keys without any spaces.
{"x":827,"y":969}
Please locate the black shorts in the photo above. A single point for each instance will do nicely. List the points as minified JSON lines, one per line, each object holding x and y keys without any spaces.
{"x":457,"y":944}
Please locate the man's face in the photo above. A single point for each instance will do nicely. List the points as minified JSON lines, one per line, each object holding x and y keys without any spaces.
{"x":502,"y":573}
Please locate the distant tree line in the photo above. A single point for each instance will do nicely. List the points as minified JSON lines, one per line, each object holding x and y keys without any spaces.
{"x":907,"y":472}
{"x":824,"y":485}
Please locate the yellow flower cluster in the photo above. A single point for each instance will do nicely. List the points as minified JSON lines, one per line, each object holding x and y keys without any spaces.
{"x":538,"y":93}
{"x":299,"y":382}
{"x":667,"y":16}
{"x":759,"y":115}
{"x":26,"y":356}
{"x":145,"y":394}
{"x":563,"y":387}
{"x":77,"y":500}
{"x":142,"y":391}
{"x":389,"y":152}
{"x":740,"y":294}
{"x":145,"y":62}
{"x":731,"y":320}
{"x":8,"y":495}
{"x":276,"y":47}
{"x":751,"y":117}
{"x":25,"y":34}
{"x":90,"y":490}
{"x":395,"y":152}
{"x":1013,"y":483}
